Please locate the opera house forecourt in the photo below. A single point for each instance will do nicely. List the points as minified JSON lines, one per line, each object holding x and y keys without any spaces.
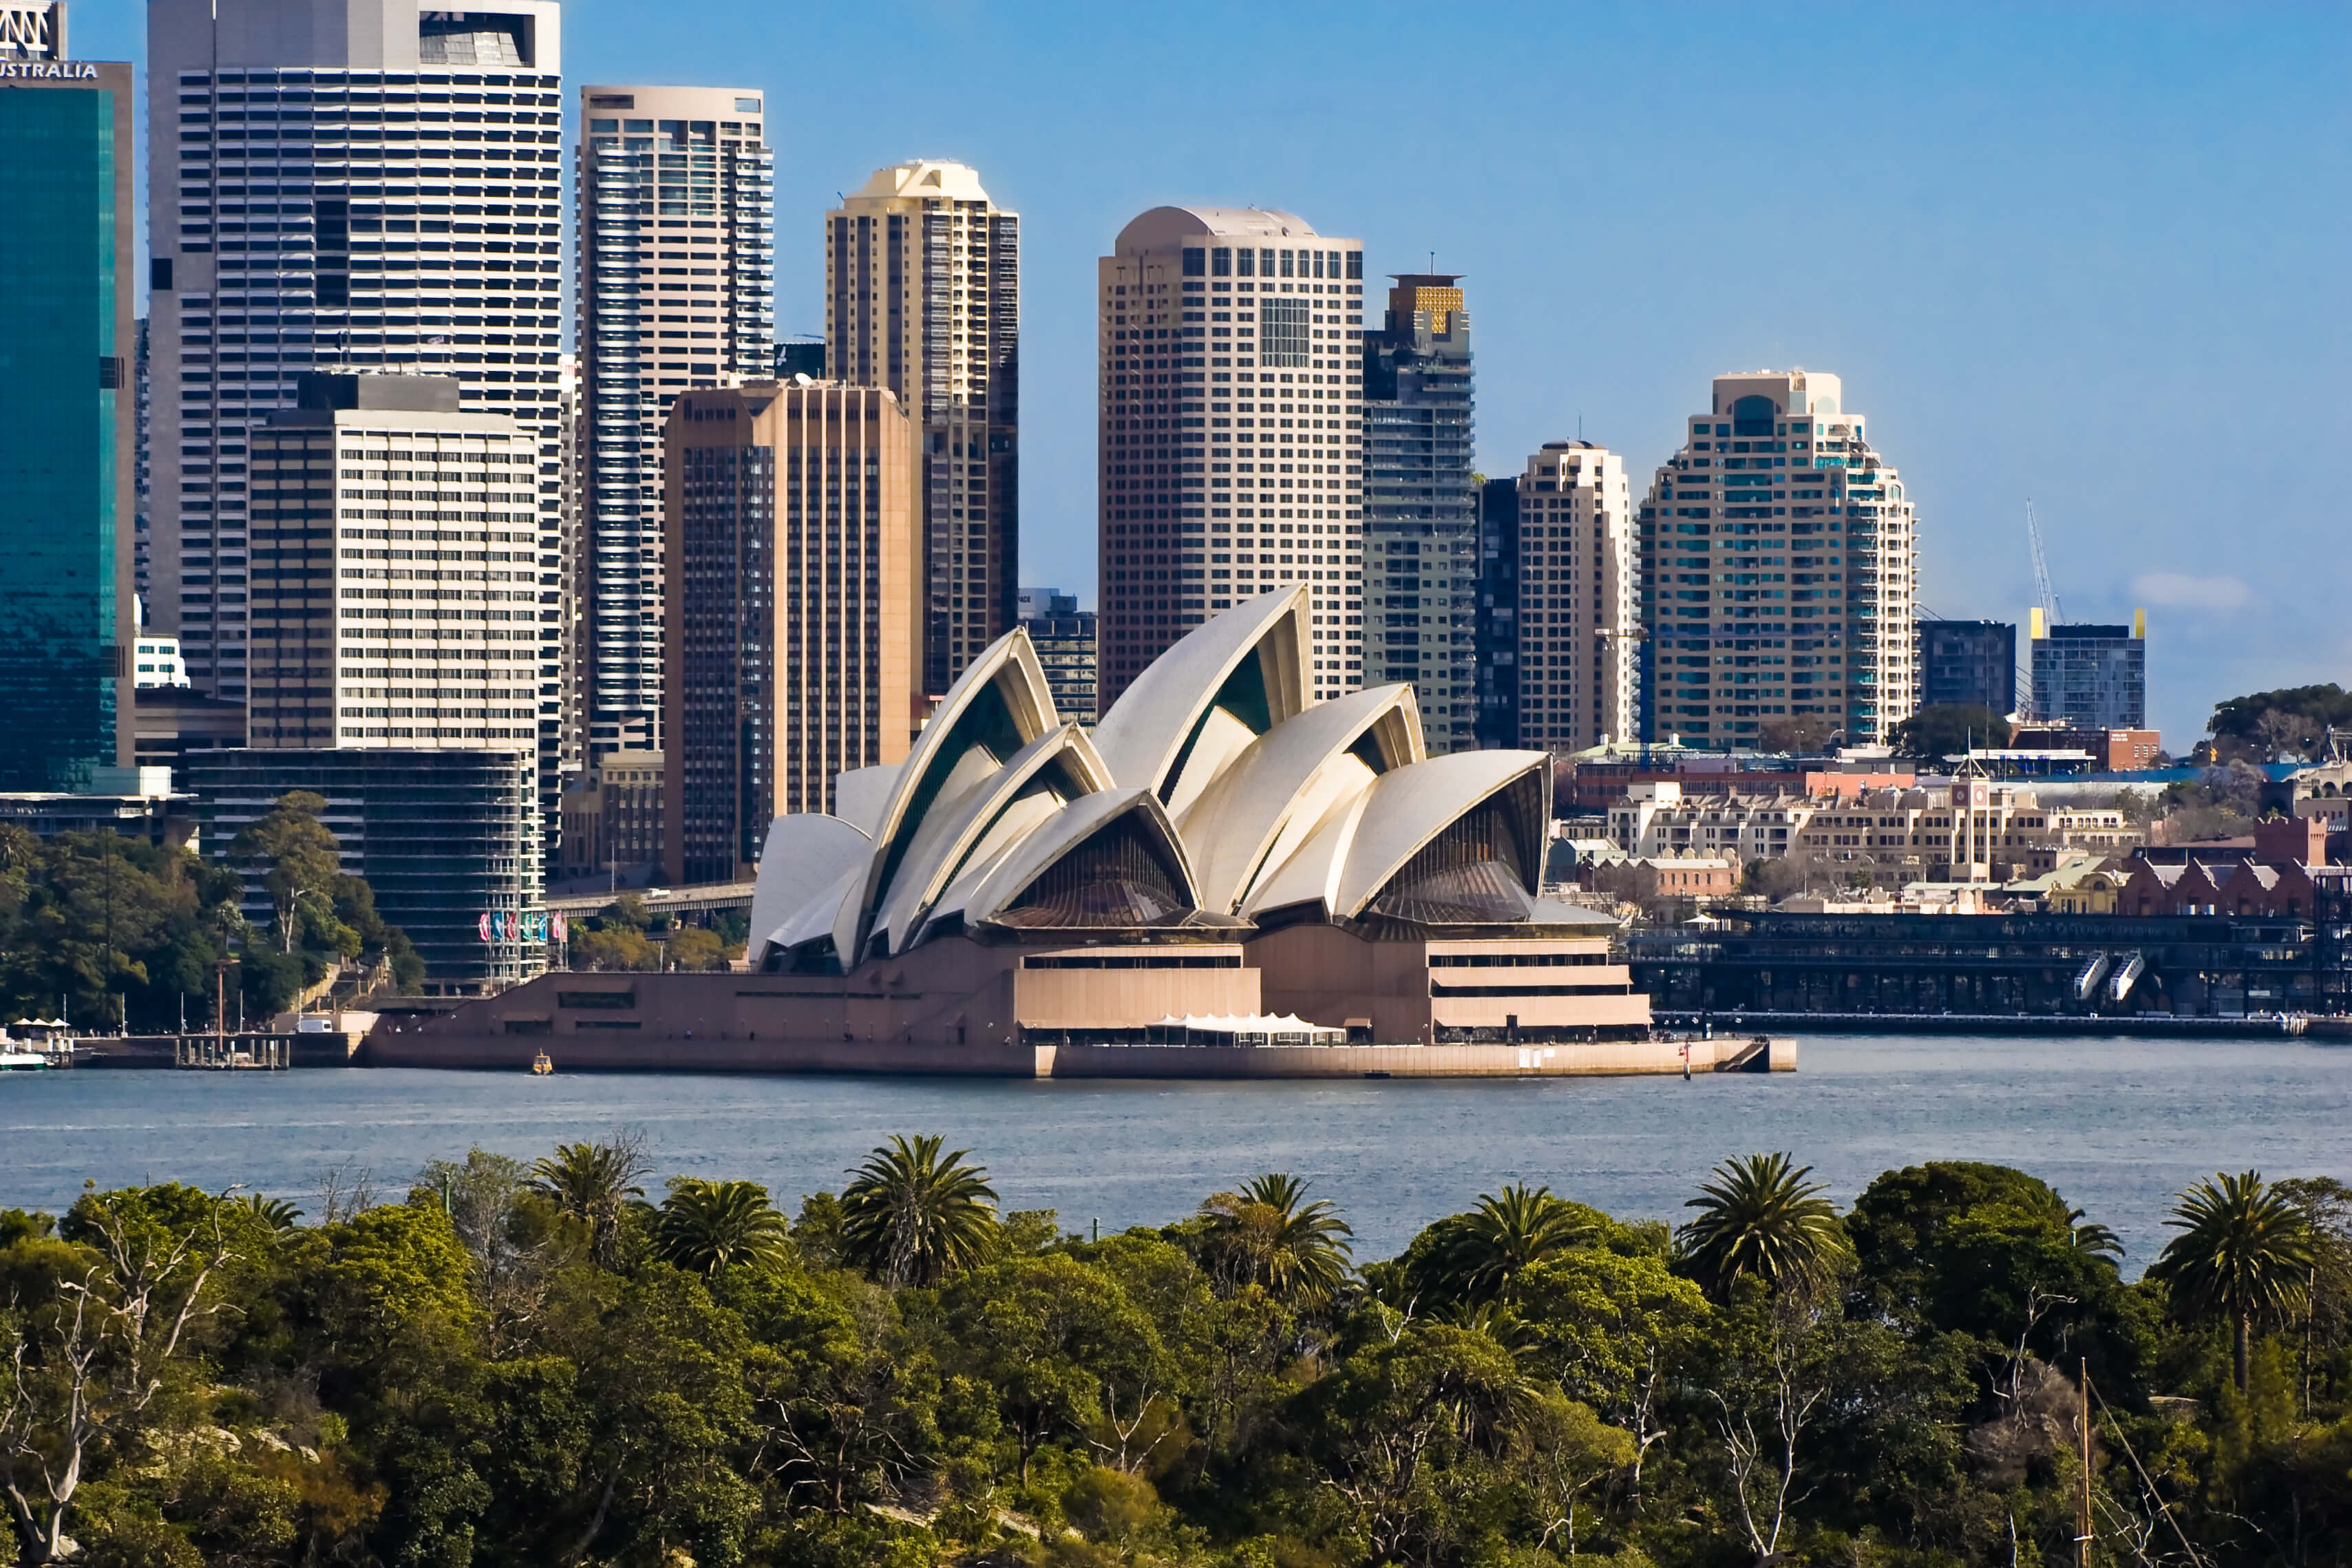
{"x":1224,"y":878}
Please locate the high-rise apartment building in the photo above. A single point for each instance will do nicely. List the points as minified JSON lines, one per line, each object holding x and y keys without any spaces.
{"x":923,"y":297}
{"x":1420,"y":532}
{"x":394,"y":593}
{"x":563,"y":735}
{"x":1968,"y":664}
{"x":1231,"y":446}
{"x":1497,"y":631}
{"x":1778,"y":558}
{"x":676,"y":259}
{"x":791,"y":593}
{"x":67,"y":425}
{"x":350,"y":185}
{"x":1578,"y":598}
{"x":2091,"y":676}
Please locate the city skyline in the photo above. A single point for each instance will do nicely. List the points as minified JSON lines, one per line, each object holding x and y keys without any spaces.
{"x":2026,"y":247}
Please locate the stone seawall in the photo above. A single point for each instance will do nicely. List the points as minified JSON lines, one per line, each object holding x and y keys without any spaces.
{"x":585,"y":1053}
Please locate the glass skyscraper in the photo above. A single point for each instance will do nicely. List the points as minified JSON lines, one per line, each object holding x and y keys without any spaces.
{"x":1421,"y":530}
{"x":67,"y":438}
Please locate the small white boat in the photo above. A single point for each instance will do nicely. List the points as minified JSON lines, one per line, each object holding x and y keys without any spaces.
{"x":36,"y":1044}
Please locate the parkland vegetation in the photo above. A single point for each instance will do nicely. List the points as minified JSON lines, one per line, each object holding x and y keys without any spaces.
{"x":541,"y":1364}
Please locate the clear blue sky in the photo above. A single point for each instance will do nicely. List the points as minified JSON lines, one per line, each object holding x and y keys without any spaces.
{"x":2096,"y":255}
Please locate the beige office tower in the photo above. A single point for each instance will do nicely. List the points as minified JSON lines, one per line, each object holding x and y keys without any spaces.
{"x":677,"y":268}
{"x":395,"y":597}
{"x":368,"y":185}
{"x":1230,"y":392}
{"x":1779,"y":567}
{"x":792,"y":593}
{"x":923,"y":297}
{"x":1577,"y":623}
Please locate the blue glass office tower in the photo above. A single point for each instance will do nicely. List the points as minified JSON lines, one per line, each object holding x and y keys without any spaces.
{"x":66,"y":442}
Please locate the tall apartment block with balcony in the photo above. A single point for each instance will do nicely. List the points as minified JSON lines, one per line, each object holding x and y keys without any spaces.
{"x":1576,"y":598}
{"x":677,"y":266}
{"x":1779,"y":563}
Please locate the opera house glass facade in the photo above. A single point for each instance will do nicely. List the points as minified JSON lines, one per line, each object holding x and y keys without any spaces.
{"x":66,"y":412}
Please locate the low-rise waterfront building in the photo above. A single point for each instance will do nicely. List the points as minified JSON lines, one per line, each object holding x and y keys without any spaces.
{"x":1646,"y":878}
{"x":1947,"y":830}
{"x":1655,"y":818}
{"x":2010,"y":965}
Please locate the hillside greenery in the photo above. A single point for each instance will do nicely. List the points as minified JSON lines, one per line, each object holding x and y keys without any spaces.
{"x":118,"y":930}
{"x":547,"y":1363}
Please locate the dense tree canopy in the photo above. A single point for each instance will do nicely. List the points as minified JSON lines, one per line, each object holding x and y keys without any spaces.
{"x":528,"y":1364}
{"x":120,"y":931}
{"x":2270,"y":725}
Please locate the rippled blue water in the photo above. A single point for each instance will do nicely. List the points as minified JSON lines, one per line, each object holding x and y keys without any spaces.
{"x":2118,"y":1125}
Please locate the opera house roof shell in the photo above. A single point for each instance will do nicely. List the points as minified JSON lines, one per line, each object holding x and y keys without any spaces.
{"x":1215,"y":798}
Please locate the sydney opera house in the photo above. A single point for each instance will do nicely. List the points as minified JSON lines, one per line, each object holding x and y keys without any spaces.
{"x":1221,"y":862}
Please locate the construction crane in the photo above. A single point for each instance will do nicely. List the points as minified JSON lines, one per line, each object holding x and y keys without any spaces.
{"x":2042,"y":568}
{"x":2049,"y":614}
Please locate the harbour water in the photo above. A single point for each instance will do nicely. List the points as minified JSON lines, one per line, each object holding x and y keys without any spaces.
{"x":2118,"y":1125}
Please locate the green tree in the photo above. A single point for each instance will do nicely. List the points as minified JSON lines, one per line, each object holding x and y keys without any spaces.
{"x":95,"y":1361}
{"x":1270,"y":1234}
{"x":705,"y":1226}
{"x":296,"y":854}
{"x":1059,"y":1341}
{"x":911,"y":1216}
{"x":1412,"y":1430}
{"x":612,"y":948}
{"x":2245,"y":1256}
{"x":1502,"y":1236}
{"x":1615,"y":1332}
{"x":594,"y":1183}
{"x":1948,"y":729}
{"x":2251,"y":720}
{"x":1759,"y":1216}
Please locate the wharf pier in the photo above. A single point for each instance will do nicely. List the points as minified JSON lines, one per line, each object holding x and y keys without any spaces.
{"x":2259,"y":1026}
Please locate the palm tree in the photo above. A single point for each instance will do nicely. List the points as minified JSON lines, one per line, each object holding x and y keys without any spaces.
{"x":705,"y":1226}
{"x":912,"y":1216}
{"x":2244,"y":1254}
{"x":2093,"y":1239}
{"x":276,"y":1214}
{"x":1759,"y":1216}
{"x":1490,"y":1246}
{"x":593,"y":1183}
{"x":1269,"y":1233}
